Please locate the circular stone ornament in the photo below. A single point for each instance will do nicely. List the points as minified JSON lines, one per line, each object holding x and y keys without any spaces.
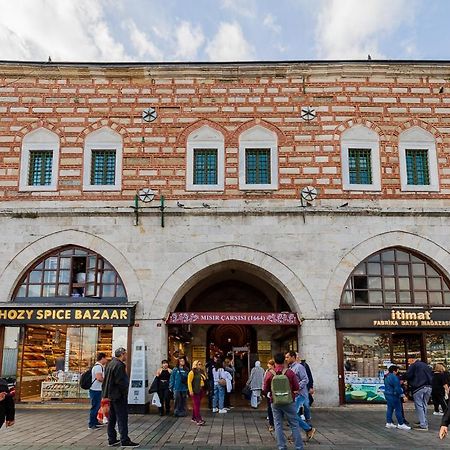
{"x":146,"y":195}
{"x":308,"y":113}
{"x":149,"y":114}
{"x":308,"y":193}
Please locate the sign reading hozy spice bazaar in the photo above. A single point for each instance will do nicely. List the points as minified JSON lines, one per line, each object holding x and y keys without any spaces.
{"x":82,"y":315}
{"x":240,"y":318}
{"x":392,"y":318}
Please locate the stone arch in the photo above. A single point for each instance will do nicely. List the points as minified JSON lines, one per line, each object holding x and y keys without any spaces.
{"x":182,"y":138}
{"x":104,"y":123}
{"x":429,"y":249}
{"x":33,"y":126}
{"x":358,"y":121}
{"x":418,"y":123}
{"x":189,"y":273}
{"x":20,"y":263}
{"x":234,"y":137}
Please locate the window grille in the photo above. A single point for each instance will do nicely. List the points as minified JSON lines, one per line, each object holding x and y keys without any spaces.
{"x":360,"y":166}
{"x":257,"y":166}
{"x":205,"y":166}
{"x":417,"y":167}
{"x":40,"y":168}
{"x":103,"y":167}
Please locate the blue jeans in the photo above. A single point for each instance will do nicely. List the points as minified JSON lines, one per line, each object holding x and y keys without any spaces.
{"x":290,"y":413}
{"x":394,"y":404}
{"x":118,"y":413}
{"x":219,"y":396}
{"x":300,"y":401}
{"x":96,"y":398}
{"x":421,"y":398}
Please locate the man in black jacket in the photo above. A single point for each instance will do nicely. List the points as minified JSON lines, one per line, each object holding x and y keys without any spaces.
{"x":419,"y":376}
{"x":7,"y":408}
{"x":115,"y":388}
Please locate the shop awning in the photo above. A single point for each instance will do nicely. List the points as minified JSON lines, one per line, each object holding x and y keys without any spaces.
{"x":68,"y":314}
{"x":240,"y":318}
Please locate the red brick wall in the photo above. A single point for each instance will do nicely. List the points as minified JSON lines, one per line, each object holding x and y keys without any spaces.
{"x":74,"y":100}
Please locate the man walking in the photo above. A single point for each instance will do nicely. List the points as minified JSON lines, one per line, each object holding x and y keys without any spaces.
{"x":115,"y":388}
{"x":302,"y":397}
{"x":419,"y":376}
{"x":95,"y":392}
{"x":310,"y":388}
{"x":284,"y":407}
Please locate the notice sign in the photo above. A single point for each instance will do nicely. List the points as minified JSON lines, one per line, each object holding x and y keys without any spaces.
{"x":241,"y":318}
{"x":83,"y":315}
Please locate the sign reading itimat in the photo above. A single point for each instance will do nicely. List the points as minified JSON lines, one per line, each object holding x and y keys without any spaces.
{"x":241,"y":318}
{"x":85,"y":315}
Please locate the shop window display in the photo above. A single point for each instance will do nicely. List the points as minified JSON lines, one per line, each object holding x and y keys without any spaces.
{"x":366,"y":358}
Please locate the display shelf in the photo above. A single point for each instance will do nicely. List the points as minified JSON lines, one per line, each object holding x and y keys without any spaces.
{"x":62,"y":390}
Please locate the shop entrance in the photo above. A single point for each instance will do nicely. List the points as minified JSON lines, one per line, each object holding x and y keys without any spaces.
{"x":406,"y":348}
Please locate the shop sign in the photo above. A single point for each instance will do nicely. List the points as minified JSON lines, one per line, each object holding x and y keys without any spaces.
{"x":240,"y":318}
{"x":392,"y":318}
{"x":82,"y":315}
{"x":264,"y":346}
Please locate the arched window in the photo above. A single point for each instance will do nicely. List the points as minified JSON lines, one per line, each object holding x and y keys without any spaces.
{"x":205,"y":160}
{"x":396,"y":276}
{"x":71,"y":272}
{"x":360,"y":153}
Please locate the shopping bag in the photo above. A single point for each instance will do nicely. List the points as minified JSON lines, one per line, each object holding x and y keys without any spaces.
{"x":156,"y":401}
{"x":103,"y":412}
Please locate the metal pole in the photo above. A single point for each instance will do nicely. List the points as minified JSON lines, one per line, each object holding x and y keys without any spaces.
{"x":162,"y":211}
{"x":136,"y":210}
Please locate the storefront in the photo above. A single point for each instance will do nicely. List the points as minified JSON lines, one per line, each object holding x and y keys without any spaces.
{"x":70,"y":305}
{"x":394,"y":309}
{"x":44,"y":350}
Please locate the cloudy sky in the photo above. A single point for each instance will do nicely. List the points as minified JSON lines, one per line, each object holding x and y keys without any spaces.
{"x":223,"y":30}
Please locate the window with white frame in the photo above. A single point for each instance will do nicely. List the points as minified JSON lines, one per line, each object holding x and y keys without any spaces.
{"x":418,"y":161}
{"x":39,"y":161}
{"x":205,"y":160}
{"x":360,"y":153}
{"x":258,"y":159}
{"x":103,"y":161}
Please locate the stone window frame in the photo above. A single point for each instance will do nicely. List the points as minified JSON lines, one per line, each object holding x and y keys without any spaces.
{"x":206,"y":138}
{"x":39,"y":139}
{"x":416,"y":138}
{"x":103,"y":139}
{"x":361,"y":137}
{"x":258,"y":137}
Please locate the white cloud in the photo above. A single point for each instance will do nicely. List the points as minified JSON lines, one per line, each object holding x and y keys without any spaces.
{"x":141,"y":43}
{"x":188,"y":40}
{"x":270,"y":22}
{"x":229,"y":44}
{"x":247,"y":8}
{"x":351,"y":29}
{"x":65,"y":30}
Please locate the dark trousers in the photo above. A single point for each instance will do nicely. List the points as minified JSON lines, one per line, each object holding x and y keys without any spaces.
{"x":439,"y":400}
{"x":196,"y":401}
{"x":270,"y":413}
{"x":164,"y":397}
{"x":118,"y":413}
{"x":210,"y":393}
{"x":96,"y":398}
{"x":179,"y":408}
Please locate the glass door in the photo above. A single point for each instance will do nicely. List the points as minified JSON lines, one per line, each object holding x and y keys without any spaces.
{"x":406,"y":348}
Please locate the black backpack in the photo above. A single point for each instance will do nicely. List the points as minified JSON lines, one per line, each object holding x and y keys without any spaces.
{"x":86,"y":381}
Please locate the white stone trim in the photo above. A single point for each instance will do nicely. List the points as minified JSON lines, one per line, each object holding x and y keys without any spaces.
{"x":361,"y":137}
{"x":40,"y":139}
{"x":102,"y":139}
{"x":258,"y":137}
{"x":205,"y":138}
{"x":417,"y":138}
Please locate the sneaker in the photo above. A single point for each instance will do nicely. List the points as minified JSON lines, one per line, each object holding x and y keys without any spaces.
{"x":193,"y":420}
{"x":215,"y":410}
{"x":130,"y":444}
{"x":403,"y":427}
{"x":222,"y":411}
{"x":302,"y":417}
{"x":310,"y":434}
{"x":419,"y":428}
{"x":201,"y":423}
{"x":95,"y":427}
{"x":271,"y":428}
{"x":390,"y":425}
{"x":114,"y":443}
{"x":437,"y":413}
{"x":101,"y":424}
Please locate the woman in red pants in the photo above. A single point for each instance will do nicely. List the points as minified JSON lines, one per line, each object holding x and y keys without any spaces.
{"x":196,"y":387}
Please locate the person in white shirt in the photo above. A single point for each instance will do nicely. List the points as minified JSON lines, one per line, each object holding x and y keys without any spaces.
{"x":95,"y":392}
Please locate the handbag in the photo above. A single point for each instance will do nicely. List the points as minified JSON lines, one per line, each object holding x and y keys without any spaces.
{"x":154,"y":386}
{"x":247,"y":392}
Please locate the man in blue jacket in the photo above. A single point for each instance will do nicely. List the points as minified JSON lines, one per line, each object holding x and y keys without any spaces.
{"x":393,"y":393}
{"x":419,"y":376}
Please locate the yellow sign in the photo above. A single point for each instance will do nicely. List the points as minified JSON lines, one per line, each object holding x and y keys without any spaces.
{"x":402,"y":318}
{"x":264,"y":346}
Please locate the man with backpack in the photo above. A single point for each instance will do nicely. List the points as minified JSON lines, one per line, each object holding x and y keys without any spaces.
{"x":281,"y":386}
{"x":95,"y":390}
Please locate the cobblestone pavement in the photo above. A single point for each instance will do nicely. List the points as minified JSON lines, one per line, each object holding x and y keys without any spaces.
{"x":348,"y":428}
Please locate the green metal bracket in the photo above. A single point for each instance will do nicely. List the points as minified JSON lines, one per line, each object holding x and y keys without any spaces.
{"x":136,"y":208}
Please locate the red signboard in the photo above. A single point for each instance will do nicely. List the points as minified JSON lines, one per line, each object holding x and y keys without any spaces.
{"x":240,"y":318}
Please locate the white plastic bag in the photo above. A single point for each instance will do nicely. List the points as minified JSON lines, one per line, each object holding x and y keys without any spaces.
{"x":156,"y":401}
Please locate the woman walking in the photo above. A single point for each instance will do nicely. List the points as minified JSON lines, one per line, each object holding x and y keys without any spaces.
{"x":178,"y":385}
{"x":439,"y":386}
{"x":196,"y":386}
{"x":221,"y":380}
{"x":393,"y":393}
{"x":255,"y":383}
{"x":270,"y":366}
{"x":163,"y":375}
